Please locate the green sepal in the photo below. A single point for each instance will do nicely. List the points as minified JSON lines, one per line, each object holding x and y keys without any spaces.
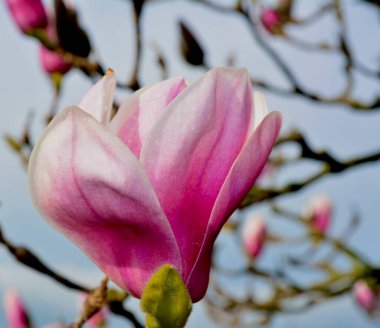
{"x":56,"y":79}
{"x":166,"y":300}
{"x":114,"y":295}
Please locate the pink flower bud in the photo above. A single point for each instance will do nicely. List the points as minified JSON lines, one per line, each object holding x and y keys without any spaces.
{"x":155,"y":184}
{"x":253,"y":235}
{"x":319,"y":213}
{"x":365,"y":296}
{"x":51,"y":61}
{"x":271,"y":20}
{"x":15,"y":311}
{"x":28,"y":14}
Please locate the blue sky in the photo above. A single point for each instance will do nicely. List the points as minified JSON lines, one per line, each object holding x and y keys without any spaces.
{"x":23,"y":87}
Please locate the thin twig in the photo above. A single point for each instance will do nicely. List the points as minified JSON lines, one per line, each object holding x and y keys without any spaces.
{"x":26,"y":257}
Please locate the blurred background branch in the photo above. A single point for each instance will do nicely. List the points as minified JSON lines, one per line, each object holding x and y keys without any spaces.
{"x":267,"y":26}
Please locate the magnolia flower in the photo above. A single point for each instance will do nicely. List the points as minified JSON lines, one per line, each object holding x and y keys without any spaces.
{"x":253,"y":235}
{"x":155,"y":184}
{"x":28,"y":14}
{"x":15,"y":311}
{"x":366,"y":297}
{"x":318,"y":212}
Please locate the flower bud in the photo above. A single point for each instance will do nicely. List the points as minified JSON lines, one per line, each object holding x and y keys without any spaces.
{"x":365,"y":296}
{"x":15,"y":311}
{"x":51,"y":61}
{"x":28,"y":14}
{"x":271,"y":20}
{"x":318,"y":213}
{"x":254,"y":235}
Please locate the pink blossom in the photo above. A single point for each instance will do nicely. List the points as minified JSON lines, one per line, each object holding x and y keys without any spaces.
{"x":253,"y":235}
{"x":155,"y":184}
{"x":365,"y":296}
{"x":319,"y":213}
{"x":15,"y":311}
{"x":271,"y":20}
{"x":28,"y":14}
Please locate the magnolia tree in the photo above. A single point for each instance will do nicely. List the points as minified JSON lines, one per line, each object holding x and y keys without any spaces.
{"x":160,"y":187}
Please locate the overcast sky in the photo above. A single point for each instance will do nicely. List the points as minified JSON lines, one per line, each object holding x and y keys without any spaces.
{"x":24,"y":88}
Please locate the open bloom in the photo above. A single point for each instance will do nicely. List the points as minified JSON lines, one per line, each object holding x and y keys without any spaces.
{"x":253,"y":235}
{"x":28,"y":14}
{"x":155,"y":184}
{"x":15,"y":311}
{"x":319,"y":212}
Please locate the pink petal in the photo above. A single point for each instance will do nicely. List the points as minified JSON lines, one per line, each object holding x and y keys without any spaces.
{"x":242,"y":176}
{"x":98,"y":100}
{"x":15,"y":311}
{"x":138,"y":114}
{"x":259,"y":111}
{"x":260,"y":108}
{"x":91,"y":187}
{"x":190,"y":150}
